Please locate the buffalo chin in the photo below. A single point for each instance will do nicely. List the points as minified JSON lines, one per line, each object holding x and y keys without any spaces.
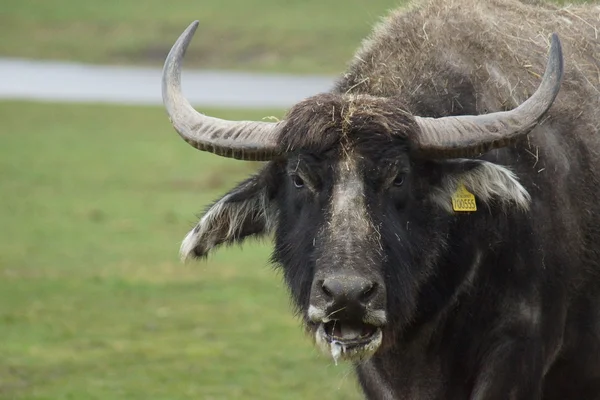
{"x":353,"y":350}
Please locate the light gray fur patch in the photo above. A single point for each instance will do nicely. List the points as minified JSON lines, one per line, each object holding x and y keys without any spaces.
{"x":224,"y":221}
{"x":349,"y":225}
{"x":316,"y":314}
{"x":487,"y":181}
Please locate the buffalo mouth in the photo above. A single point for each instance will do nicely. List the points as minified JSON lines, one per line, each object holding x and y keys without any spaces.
{"x":349,"y":341}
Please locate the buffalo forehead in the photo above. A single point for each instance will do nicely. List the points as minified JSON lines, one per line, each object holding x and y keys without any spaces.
{"x":321,"y":122}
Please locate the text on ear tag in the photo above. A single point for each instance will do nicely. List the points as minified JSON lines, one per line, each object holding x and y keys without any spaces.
{"x":463,"y":200}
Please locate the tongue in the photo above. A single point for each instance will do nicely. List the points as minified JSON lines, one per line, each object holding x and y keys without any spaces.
{"x":350,"y":332}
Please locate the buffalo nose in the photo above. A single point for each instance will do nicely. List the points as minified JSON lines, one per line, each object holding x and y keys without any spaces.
{"x":348,"y":291}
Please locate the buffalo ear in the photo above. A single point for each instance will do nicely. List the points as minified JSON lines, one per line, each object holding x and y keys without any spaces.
{"x":489,"y":182}
{"x":247,"y":210}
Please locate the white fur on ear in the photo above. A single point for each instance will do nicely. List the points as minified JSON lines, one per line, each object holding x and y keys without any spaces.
{"x":223,"y":223}
{"x":487,"y":181}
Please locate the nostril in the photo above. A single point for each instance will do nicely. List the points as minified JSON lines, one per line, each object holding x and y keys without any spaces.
{"x":351,"y":290}
{"x":326,"y":290}
{"x":368,"y":292}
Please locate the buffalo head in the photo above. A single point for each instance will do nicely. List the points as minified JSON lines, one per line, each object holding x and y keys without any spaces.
{"x":357,"y":193}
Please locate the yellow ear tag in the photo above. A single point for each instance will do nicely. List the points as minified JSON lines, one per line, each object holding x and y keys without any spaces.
{"x":463,"y":200}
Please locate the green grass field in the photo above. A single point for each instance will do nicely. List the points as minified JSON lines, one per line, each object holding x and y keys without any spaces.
{"x":310,"y":36}
{"x":94,"y":303}
{"x":272,"y":35}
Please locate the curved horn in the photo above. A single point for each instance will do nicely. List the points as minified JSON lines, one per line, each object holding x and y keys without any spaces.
{"x":245,"y":140}
{"x":470,"y":135}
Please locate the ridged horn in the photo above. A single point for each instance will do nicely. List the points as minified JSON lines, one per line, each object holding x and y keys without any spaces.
{"x":244,"y":140}
{"x":470,"y":135}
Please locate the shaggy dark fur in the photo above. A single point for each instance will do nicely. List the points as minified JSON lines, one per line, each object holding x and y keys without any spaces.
{"x":323,"y":121}
{"x":502,"y":303}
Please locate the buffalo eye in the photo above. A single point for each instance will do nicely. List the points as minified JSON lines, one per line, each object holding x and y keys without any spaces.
{"x":298,"y":182}
{"x":399,"y":180}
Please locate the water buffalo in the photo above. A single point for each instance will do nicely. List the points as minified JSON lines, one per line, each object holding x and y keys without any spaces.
{"x":436,"y":214}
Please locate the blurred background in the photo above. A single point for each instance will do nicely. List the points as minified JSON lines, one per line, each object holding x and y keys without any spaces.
{"x":97,"y":191}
